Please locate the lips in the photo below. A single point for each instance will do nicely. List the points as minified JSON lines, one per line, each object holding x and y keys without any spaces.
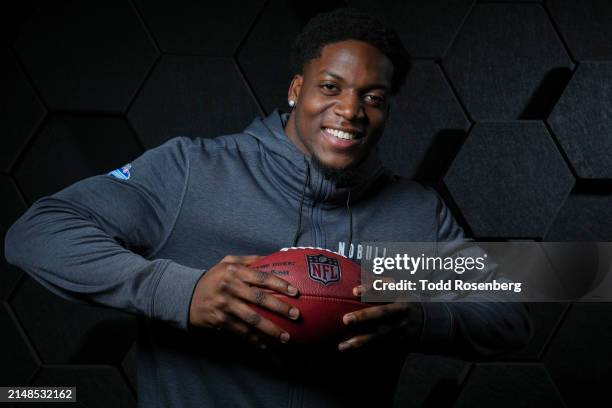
{"x":341,"y":138}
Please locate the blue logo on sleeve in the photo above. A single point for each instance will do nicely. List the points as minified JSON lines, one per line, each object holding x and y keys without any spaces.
{"x":123,"y":173}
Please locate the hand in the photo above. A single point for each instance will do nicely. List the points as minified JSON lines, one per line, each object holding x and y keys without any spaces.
{"x":222,"y":296}
{"x":383,"y":320}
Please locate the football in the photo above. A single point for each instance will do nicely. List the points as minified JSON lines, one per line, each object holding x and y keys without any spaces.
{"x":325,"y":281}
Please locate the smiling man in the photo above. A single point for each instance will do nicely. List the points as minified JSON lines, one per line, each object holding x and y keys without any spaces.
{"x":343,"y":102}
{"x":157,"y":240}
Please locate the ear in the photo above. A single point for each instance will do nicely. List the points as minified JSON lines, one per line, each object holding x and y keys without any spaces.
{"x":295,"y":88}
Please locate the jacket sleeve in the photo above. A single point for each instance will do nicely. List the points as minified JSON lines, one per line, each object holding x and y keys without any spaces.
{"x":472,"y":330}
{"x":94,"y":242}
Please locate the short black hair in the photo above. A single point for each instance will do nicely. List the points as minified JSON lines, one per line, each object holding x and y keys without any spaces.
{"x":349,"y":24}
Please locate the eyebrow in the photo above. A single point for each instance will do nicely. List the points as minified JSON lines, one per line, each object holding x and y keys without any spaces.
{"x":340,"y":78}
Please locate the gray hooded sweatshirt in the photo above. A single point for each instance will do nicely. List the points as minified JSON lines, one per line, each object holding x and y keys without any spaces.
{"x":138,"y":239}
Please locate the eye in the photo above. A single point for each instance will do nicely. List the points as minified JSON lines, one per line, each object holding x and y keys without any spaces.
{"x":374,"y":100}
{"x":329,"y":88}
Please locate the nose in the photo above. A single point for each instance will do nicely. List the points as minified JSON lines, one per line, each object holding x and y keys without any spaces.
{"x":349,"y":106}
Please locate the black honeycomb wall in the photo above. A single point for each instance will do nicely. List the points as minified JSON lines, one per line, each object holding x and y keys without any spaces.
{"x":507,"y":111}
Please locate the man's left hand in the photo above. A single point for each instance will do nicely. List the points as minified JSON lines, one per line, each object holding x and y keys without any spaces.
{"x":375,"y":322}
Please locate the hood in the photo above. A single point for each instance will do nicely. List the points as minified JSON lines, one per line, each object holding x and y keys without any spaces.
{"x":290,"y":166}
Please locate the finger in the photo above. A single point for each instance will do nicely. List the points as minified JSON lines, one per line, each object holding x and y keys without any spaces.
{"x":363,"y":339}
{"x":260,"y":297}
{"x":237,"y":326}
{"x":253,"y":319}
{"x":375,"y":312}
{"x":265,"y":280}
{"x":356,"y":342}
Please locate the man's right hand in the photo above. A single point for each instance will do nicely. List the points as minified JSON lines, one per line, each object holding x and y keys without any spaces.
{"x":222,"y":296}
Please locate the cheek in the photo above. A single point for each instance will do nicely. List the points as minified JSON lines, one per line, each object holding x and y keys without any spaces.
{"x":377,"y":119}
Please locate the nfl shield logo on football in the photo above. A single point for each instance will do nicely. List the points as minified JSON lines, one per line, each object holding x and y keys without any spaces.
{"x":323,"y":269}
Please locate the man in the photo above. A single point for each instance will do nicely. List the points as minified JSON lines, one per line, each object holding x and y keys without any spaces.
{"x":156,"y":239}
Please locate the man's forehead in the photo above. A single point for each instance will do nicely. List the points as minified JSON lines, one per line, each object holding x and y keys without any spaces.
{"x":347,"y":60}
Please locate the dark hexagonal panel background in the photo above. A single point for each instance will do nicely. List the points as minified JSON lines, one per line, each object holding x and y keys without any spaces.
{"x":507,"y":62}
{"x":440,"y":381}
{"x":582,"y":121}
{"x":194,"y":27}
{"x":426,"y":125}
{"x":120,"y":74}
{"x":21,"y":110}
{"x":586,"y":26}
{"x":266,"y":63}
{"x":426,"y":27}
{"x":509,"y":179}
{"x":19,"y":362}
{"x":12,"y":207}
{"x":97,"y":387}
{"x":545,"y":317}
{"x":583,"y":217}
{"x":509,"y":385}
{"x":70,"y":148}
{"x":96,"y":61}
{"x":129,"y":366}
{"x":580,"y":353}
{"x":63,"y":332}
{"x":181,"y":99}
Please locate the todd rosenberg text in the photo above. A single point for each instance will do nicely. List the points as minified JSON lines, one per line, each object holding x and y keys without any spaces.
{"x":446,"y":285}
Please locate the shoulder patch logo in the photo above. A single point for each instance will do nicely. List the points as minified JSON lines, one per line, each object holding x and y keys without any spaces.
{"x":122,"y":173}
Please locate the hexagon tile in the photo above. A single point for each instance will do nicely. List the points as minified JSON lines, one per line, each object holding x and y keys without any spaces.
{"x":86,"y":55}
{"x":426,"y":27}
{"x":264,"y":55}
{"x":70,"y":148}
{"x":21,"y":110}
{"x":97,"y":386}
{"x":179,"y":99}
{"x":199,"y":27}
{"x":507,"y":62}
{"x":66,"y":332}
{"x":11,"y":208}
{"x":586,"y":26}
{"x":426,"y":125}
{"x":582,"y":120}
{"x":509,"y":179}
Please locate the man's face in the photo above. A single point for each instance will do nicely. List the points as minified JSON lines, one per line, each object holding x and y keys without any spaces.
{"x":342,"y":102}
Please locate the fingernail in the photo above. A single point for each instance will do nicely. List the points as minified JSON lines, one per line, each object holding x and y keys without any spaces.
{"x":344,"y":346}
{"x":357,"y":291}
{"x":294,"y":313}
{"x":292,"y":290}
{"x":349,"y":318}
{"x":284,"y":337}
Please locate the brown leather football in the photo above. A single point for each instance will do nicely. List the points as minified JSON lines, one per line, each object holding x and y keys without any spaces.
{"x":325,"y":281}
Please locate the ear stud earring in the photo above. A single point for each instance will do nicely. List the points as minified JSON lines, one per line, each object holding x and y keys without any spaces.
{"x":291,"y":103}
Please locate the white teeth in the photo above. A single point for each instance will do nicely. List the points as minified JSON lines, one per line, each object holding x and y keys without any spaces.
{"x":340,"y":134}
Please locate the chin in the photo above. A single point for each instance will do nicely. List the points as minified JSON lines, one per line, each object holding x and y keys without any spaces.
{"x":341,"y":173}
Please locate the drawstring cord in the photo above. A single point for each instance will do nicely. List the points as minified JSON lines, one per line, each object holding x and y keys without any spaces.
{"x":350,"y":214}
{"x":299,"y":224}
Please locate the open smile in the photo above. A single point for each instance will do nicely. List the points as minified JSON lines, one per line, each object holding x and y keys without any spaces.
{"x":340,"y":138}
